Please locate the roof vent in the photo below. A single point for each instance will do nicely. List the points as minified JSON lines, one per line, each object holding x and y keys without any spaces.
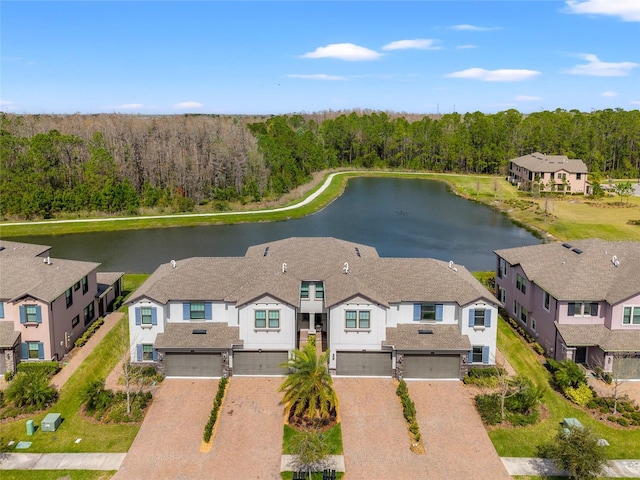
{"x":567,"y":245}
{"x":284,"y":268}
{"x":199,"y":331}
{"x":615,"y":261}
{"x":358,"y":252}
{"x":47,"y":260}
{"x":425,"y":332}
{"x":266,"y":251}
{"x":173,"y":264}
{"x":577,"y":250}
{"x":345,"y":267}
{"x":450,"y":263}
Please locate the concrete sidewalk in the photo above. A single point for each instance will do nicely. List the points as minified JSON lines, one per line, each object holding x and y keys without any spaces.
{"x":545,"y":467}
{"x":61,"y":461}
{"x":83,"y":352}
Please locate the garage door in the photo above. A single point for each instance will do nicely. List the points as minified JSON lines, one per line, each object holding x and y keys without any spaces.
{"x":431,"y":366}
{"x":259,"y":363}
{"x":192,"y":364}
{"x":364,"y":364}
{"x":629,"y":367}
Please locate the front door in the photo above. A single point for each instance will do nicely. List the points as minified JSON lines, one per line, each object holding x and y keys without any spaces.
{"x":581,"y":355}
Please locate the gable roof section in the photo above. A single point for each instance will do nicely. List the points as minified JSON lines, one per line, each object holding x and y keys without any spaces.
{"x":33,"y":276}
{"x":539,"y":162}
{"x":407,"y":337}
{"x":241,"y":280}
{"x":213,"y":335}
{"x":8,"y":336}
{"x":11,"y":249}
{"x":587,"y":276}
{"x":622,"y":340}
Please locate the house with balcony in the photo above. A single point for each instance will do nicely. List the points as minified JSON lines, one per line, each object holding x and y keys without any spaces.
{"x":580,"y":299}
{"x":217,"y":316}
{"x":46,"y":303}
{"x":547,"y":173}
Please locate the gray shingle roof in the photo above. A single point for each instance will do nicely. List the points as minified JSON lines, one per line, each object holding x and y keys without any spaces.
{"x":106,"y":279}
{"x":539,"y":162}
{"x":406,"y":337}
{"x":11,"y":249}
{"x":623,"y":340}
{"x":243,"y":279}
{"x":178,"y":336}
{"x":588,"y":276}
{"x":8,"y":336}
{"x":23,"y":275}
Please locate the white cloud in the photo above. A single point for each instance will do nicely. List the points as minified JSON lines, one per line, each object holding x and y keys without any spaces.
{"x":417,"y":44}
{"x":6,"y":103}
{"x":187,"y":105}
{"x":609,"y":94}
{"x":317,"y":76}
{"x":462,"y":47}
{"x":472,"y":28}
{"x":130,"y":106}
{"x":627,"y":10}
{"x":596,"y":68}
{"x":528,"y":98}
{"x":635,"y":102}
{"x":500,"y":75}
{"x":344,"y":51}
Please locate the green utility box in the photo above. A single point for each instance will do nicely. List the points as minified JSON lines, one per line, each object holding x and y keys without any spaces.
{"x":51,"y":422}
{"x":30,"y":427}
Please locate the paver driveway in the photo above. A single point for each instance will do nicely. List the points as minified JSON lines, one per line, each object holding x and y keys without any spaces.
{"x":376,"y":442}
{"x":247,"y":444}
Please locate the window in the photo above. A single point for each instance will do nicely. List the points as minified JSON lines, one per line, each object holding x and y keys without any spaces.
{"x":89,"y":313}
{"x":631,"y":315}
{"x":501,"y":294}
{"x":261,"y":318}
{"x":478,"y":317}
{"x":533,"y":324}
{"x":196,"y":311}
{"x":31,"y":312}
{"x":76,"y":286}
{"x":69,"y":297}
{"x":304,"y":290}
{"x":358,"y":319}
{"x":85,"y":284}
{"x":574,"y":308}
{"x":521,"y":283}
{"x":146,"y":317}
{"x":274,"y":318}
{"x":524,"y":314}
{"x":33,"y":350}
{"x":319,"y":290}
{"x":578,"y":176}
{"x":546,"y":300}
{"x":1,"y":309}
{"x":590,"y":309}
{"x":427,"y":312}
{"x":502,"y":268}
{"x":147,"y":353}
{"x":476,"y":355}
{"x":515,"y":308}
{"x":75,"y":321}
{"x":587,"y":309}
{"x":553,"y":175}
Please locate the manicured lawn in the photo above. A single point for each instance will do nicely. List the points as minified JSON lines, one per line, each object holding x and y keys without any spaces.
{"x":56,"y":474}
{"x":333,"y":436}
{"x":523,"y":441}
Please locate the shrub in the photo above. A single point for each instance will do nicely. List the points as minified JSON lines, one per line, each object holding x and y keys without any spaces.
{"x":580,"y":395}
{"x":48,"y":369}
{"x":622,"y":421}
{"x":217,"y":403}
{"x":566,"y":373}
{"x":489,"y":408}
{"x":523,"y":419}
{"x":89,"y":332}
{"x":8,"y":376}
{"x":539,"y":349}
{"x":408,"y":409}
{"x":31,"y":390}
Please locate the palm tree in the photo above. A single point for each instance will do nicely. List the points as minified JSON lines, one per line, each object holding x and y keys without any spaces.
{"x":308,"y":389}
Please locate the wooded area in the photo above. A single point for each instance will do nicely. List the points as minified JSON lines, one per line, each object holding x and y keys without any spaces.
{"x":115,"y":163}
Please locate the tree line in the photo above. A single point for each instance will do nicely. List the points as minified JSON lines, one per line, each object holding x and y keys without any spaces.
{"x":116,"y":163}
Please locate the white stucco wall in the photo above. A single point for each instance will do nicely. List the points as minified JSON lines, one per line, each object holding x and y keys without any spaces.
{"x":403,"y":313}
{"x":481,"y":336}
{"x":283,"y":338}
{"x":357,"y":339}
{"x":139,"y":334}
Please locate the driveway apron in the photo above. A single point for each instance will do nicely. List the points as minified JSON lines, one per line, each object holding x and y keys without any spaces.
{"x":376,"y":440}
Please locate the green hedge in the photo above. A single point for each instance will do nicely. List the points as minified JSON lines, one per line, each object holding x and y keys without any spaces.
{"x":408,"y":409}
{"x":48,"y":369}
{"x":89,"y":332}
{"x":217,"y":403}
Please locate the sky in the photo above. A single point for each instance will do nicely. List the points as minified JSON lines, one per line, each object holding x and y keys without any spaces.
{"x":276,"y":57}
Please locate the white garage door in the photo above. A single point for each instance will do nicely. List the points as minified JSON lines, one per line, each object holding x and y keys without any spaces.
{"x":192,"y":364}
{"x":364,"y":364}
{"x":259,"y":363}
{"x":431,"y":366}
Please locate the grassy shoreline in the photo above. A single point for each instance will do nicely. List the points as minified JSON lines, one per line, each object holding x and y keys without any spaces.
{"x":558,"y":217}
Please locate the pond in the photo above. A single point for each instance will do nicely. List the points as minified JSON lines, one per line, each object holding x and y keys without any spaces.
{"x":399,"y":217}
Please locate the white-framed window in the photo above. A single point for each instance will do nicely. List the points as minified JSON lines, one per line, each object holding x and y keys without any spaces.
{"x":261,"y":317}
{"x":524,"y":315}
{"x":521,"y":283}
{"x":502,"y":295}
{"x":357,"y":319}
{"x":33,"y":349}
{"x":533,"y":324}
{"x":585,"y":309}
{"x":631,"y":315}
{"x":476,"y":354}
{"x":147,"y":352}
{"x":428,"y":312}
{"x":502,"y":268}
{"x":515,"y":308}
{"x":304,"y":290}
{"x":319,"y":290}
{"x":196,"y":311}
{"x":146,"y":317}
{"x":546,"y":300}
{"x":479,"y":317}
{"x":31,"y":312}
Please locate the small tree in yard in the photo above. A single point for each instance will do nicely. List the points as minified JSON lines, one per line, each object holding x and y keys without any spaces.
{"x":621,"y":370}
{"x":624,"y":190}
{"x":576,"y":450}
{"x":311,"y":452}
